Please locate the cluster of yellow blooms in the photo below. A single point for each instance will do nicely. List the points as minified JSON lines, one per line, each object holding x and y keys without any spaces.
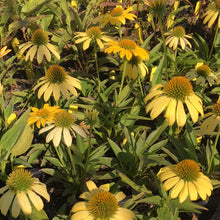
{"x":185,"y":180}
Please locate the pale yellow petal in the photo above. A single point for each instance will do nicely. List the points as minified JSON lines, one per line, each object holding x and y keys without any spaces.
{"x":180,"y":114}
{"x":24,"y":203}
{"x":123,"y":214}
{"x":120,"y":196}
{"x":41,"y":189}
{"x":6,"y":201}
{"x":184,"y":193}
{"x":82,"y":215}
{"x":35,"y":199}
{"x":192,"y":191}
{"x":170,"y":114}
{"x":91,"y":185}
{"x":168,"y":184}
{"x":67,"y":137}
{"x":57,"y":136}
{"x":177,"y":189}
{"x":15,"y":210}
{"x":79,"y":206}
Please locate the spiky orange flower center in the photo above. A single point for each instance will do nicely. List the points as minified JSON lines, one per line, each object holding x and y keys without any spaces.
{"x":63,"y":119}
{"x":216,"y":108}
{"x":187,"y":170}
{"x":178,"y":31}
{"x":56,"y":74}
{"x":116,"y":12}
{"x":128,"y":44}
{"x":102,"y":205}
{"x":43,"y":113}
{"x":94,"y":32}
{"x":178,"y":88}
{"x":203,"y":70}
{"x":20,"y":180}
{"x":39,"y":38}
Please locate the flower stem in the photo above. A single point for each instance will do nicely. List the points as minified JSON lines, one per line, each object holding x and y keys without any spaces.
{"x":213,"y":151}
{"x":213,"y":43}
{"x":71,"y":160}
{"x":164,"y":45}
{"x":123,"y":75}
{"x":97,"y":67}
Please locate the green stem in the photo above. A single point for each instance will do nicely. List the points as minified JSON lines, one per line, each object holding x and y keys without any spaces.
{"x":123,"y":75}
{"x":60,"y":158}
{"x":213,"y":150}
{"x":139,"y":81}
{"x":164,"y":45}
{"x":97,"y":67}
{"x":213,"y":43}
{"x":120,"y":32}
{"x":71,"y":160}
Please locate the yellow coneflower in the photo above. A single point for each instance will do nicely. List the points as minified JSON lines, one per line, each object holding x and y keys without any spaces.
{"x":4,"y":52}
{"x":117,"y":16}
{"x":22,"y":190}
{"x":177,"y":36}
{"x":158,"y":7}
{"x":202,"y":73}
{"x":41,"y":116}
{"x":39,"y":46}
{"x":212,"y":13}
{"x":135,"y":66}
{"x":126,"y":48}
{"x":100,"y":204}
{"x":171,"y":97}
{"x":62,"y":126}
{"x":186,"y":180}
{"x":93,"y":34}
{"x":55,"y":82}
{"x":212,"y":119}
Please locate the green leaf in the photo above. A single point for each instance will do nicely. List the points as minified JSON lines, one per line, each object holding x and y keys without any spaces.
{"x":24,"y":142}
{"x":54,"y":161}
{"x":157,"y":78}
{"x":10,"y":137}
{"x":32,"y":5}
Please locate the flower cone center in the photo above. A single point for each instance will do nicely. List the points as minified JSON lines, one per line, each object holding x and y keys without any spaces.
{"x":127,"y":44}
{"x":56,"y":74}
{"x":203,"y":70}
{"x":178,"y":88}
{"x":63,"y":119}
{"x":216,"y":108}
{"x":39,"y":37}
{"x":187,"y":170}
{"x":20,"y":180}
{"x":103,"y":205}
{"x":116,"y":12}
{"x":179,"y":32}
{"x":94,"y":32}
{"x":43,"y":113}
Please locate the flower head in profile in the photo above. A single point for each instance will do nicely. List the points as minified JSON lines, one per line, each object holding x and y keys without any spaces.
{"x":100,"y":204}
{"x":212,"y":14}
{"x":176,"y":92}
{"x":93,"y":34}
{"x":135,"y":67}
{"x":39,"y":46}
{"x":117,"y":16}
{"x":212,"y":119}
{"x":126,"y":48}
{"x":186,"y":180}
{"x":62,"y":127}
{"x":158,"y":7}
{"x":202,"y":73}
{"x":4,"y":51}
{"x":177,"y":36}
{"x":43,"y":115}
{"x":22,"y":191}
{"x":56,"y":82}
